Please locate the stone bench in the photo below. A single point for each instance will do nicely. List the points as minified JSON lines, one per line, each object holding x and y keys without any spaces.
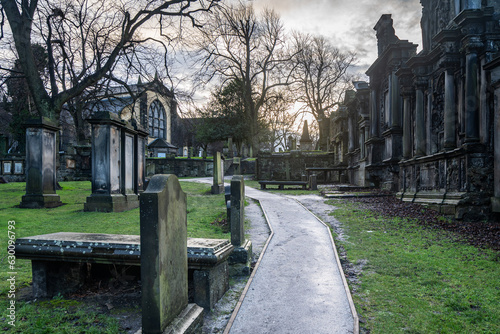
{"x":281,"y":184}
{"x":60,"y":261}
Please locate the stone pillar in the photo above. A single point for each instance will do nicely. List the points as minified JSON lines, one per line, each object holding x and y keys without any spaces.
{"x":449,"y":111}
{"x":129,"y":157}
{"x":472,"y":90}
{"x":164,"y":266}
{"x":107,"y":159}
{"x":350,"y":125}
{"x":241,"y":257}
{"x":395,"y":110}
{"x":218,"y":174}
{"x":420,"y":139}
{"x":406,"y":127}
{"x":41,"y":165}
{"x":141,"y":138}
{"x":237,"y":210}
{"x":373,"y":114}
{"x":313,"y":182}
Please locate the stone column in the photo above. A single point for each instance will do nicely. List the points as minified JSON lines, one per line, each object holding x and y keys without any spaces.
{"x":407,"y":127}
{"x":420,"y":138}
{"x":350,"y":125}
{"x":472,"y":90}
{"x":41,"y":154}
{"x":218,"y":172}
{"x":164,"y":262}
{"x":129,"y":157}
{"x":373,"y":114}
{"x":449,"y":111}
{"x":141,"y":138}
{"x":395,"y":110}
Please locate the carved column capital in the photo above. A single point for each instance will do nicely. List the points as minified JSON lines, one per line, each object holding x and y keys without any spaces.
{"x":472,"y":44}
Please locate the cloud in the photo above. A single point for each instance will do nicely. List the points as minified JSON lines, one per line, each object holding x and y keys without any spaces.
{"x":349,"y":24}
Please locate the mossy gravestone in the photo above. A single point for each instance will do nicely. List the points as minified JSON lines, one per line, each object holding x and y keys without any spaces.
{"x":164,"y":266}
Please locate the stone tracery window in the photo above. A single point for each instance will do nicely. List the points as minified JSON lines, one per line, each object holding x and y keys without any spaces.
{"x":157,"y":120}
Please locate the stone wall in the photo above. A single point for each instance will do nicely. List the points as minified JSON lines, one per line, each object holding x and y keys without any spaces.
{"x":290,"y":165}
{"x":179,"y":167}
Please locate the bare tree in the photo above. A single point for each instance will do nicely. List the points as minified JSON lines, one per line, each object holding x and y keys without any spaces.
{"x":321,"y":78}
{"x":85,"y":40}
{"x":280,"y":118}
{"x":241,"y":46}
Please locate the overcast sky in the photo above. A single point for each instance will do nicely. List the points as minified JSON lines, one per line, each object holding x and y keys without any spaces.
{"x":348,"y":24}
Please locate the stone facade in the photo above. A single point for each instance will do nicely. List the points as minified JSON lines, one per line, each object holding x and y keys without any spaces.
{"x":424,"y":125}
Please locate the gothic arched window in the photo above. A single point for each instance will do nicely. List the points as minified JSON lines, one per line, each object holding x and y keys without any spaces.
{"x":157,"y":119}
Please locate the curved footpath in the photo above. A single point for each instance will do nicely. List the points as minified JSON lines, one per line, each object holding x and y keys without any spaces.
{"x":298,"y":285}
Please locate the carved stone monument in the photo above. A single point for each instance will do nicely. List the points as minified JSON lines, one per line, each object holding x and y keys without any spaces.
{"x":114,"y":177}
{"x":164,"y":266}
{"x":41,"y":165}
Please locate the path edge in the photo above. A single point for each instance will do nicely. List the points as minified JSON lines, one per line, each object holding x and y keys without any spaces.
{"x":339,"y":264}
{"x":247,"y":286}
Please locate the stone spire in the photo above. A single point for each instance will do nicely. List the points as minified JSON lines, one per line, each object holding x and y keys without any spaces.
{"x":305,"y":133}
{"x":305,"y":140}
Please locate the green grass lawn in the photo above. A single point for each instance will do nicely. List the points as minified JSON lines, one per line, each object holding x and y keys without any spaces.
{"x":418,"y":280}
{"x":206,"y":214}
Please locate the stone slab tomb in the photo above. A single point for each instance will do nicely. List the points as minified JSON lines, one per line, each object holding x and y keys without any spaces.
{"x":60,"y":262}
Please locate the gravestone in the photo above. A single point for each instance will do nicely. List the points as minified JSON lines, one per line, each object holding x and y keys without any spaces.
{"x":236,"y":166}
{"x":241,"y":257}
{"x":218,"y":174}
{"x":164,"y":267}
{"x":40,"y":165}
{"x":313,"y":182}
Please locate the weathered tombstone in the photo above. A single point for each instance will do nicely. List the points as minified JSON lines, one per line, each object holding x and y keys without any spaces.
{"x":107,"y":172}
{"x":218,"y":174}
{"x":313,"y":182}
{"x":236,"y":166}
{"x":242,"y":254}
{"x":40,"y":165}
{"x":164,"y":267}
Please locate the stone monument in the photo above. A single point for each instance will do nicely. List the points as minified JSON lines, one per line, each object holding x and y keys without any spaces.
{"x":40,"y":165}
{"x":114,"y":162}
{"x":241,"y":257}
{"x":164,"y":266}
{"x":305,"y":140}
{"x":218,"y":174}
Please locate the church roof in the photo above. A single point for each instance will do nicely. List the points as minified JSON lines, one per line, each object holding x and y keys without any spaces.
{"x":161,"y":143}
